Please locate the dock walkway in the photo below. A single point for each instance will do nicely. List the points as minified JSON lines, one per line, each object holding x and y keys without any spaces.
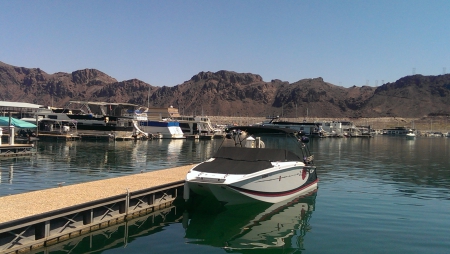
{"x":16,"y":150}
{"x":41,"y":218}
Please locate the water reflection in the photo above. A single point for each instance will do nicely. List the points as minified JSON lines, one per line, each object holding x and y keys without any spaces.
{"x":81,"y":161}
{"x":119,"y":235}
{"x":259,"y":226}
{"x":412,"y":165}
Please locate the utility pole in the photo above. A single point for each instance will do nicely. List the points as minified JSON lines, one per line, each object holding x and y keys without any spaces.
{"x":148,"y":97}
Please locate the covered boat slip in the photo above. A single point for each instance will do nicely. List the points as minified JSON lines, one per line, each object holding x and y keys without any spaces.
{"x":242,"y":160}
{"x":10,"y":149}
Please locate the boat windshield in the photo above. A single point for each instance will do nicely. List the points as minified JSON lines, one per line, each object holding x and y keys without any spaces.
{"x":275,"y":141}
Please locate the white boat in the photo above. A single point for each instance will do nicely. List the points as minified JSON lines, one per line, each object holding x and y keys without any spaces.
{"x":115,"y":120}
{"x":410,"y":134}
{"x":309,"y":128}
{"x":197,"y":125}
{"x":321,"y":129}
{"x":165,"y":129}
{"x":257,"y":163}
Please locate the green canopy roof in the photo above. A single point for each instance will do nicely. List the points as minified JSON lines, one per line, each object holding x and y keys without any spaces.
{"x":4,"y":121}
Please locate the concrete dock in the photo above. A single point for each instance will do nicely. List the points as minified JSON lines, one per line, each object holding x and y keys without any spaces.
{"x":37,"y":219}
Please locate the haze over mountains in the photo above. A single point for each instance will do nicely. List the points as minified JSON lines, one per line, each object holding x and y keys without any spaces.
{"x":228,"y":93}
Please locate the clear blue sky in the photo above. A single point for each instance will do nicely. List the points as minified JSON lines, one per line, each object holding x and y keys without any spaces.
{"x":166,"y":42}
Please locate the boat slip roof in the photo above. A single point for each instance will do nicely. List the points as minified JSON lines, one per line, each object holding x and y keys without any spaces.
{"x":18,"y":104}
{"x":102,"y":103}
{"x":4,"y":121}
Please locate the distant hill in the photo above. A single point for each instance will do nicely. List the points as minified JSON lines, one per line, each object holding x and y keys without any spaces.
{"x":228,"y":93}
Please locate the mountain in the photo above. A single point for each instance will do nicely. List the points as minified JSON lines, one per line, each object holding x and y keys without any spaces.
{"x":228,"y":93}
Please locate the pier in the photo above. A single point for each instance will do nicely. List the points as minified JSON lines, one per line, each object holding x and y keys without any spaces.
{"x":38,"y":219}
{"x":11,"y":149}
{"x":66,"y":137}
{"x":16,"y":150}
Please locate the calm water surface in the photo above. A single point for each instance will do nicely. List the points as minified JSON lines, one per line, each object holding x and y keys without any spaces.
{"x":379,"y":195}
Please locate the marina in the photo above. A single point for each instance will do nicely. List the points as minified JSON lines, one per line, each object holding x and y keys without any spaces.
{"x":375,"y":195}
{"x":123,"y":121}
{"x":11,"y":149}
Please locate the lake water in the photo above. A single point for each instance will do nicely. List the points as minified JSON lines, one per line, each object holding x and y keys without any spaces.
{"x":378,"y":195}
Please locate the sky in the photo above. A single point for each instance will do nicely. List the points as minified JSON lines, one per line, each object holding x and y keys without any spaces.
{"x":166,"y":42}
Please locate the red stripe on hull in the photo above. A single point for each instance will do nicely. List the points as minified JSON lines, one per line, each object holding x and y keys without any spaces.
{"x":274,"y":194}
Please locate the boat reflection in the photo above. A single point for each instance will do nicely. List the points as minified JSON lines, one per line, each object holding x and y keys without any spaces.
{"x":250,"y":227}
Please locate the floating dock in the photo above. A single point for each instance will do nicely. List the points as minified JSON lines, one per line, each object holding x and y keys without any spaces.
{"x":67,"y":137}
{"x":194,"y":136}
{"x":38,"y":219}
{"x":206,"y":136}
{"x":203,"y":136}
{"x":16,"y":150}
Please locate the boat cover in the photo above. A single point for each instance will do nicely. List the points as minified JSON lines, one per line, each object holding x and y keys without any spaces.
{"x":4,"y":121}
{"x":241,"y":160}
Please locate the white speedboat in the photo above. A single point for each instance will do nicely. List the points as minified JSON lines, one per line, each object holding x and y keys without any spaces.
{"x":193,"y":125}
{"x":167,"y":129}
{"x":256,"y":163}
{"x":410,"y":134}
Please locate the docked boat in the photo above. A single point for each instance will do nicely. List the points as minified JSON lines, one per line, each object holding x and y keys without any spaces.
{"x":308,"y":128}
{"x":163,"y":129}
{"x":197,"y":125}
{"x":257,"y":163}
{"x":410,"y":134}
{"x":191,"y":126}
{"x":311,"y":129}
{"x":94,"y":119}
{"x":400,"y":130}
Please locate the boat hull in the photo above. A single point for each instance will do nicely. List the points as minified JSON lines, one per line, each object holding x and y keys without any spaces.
{"x":168,"y":130}
{"x":285,"y":180}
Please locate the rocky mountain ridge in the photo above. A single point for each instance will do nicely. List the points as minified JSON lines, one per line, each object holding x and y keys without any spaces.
{"x":229,"y":93}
